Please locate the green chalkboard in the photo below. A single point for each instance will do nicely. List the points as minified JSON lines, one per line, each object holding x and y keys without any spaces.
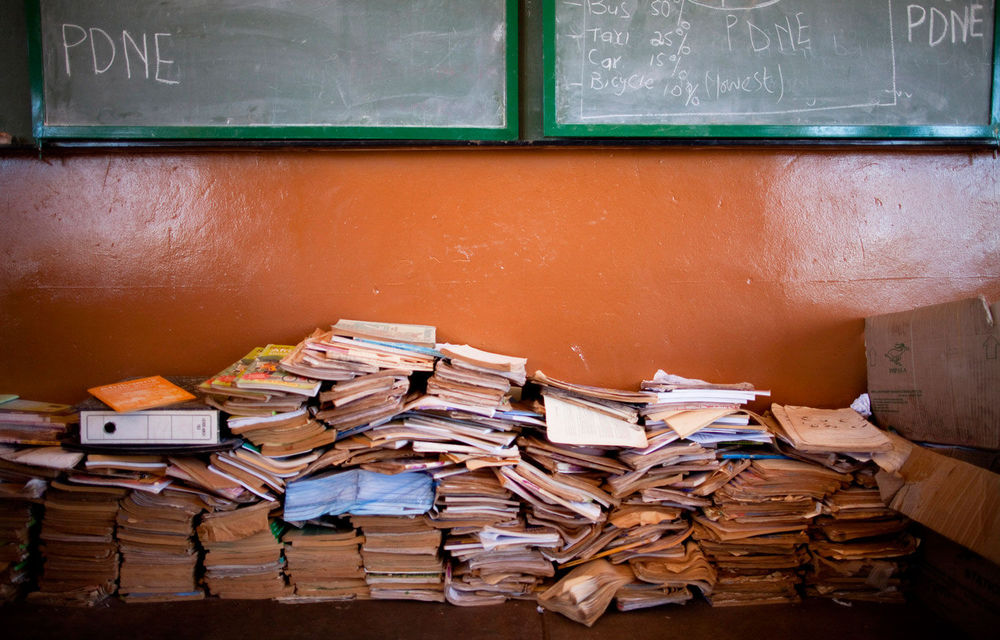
{"x":275,"y":69}
{"x":771,"y":68}
{"x":15,"y":86}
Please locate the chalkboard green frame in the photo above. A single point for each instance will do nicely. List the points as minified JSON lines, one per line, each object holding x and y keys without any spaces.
{"x":236,"y":133}
{"x":553,"y":129}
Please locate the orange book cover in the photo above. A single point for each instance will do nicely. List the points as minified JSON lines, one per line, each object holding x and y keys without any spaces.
{"x":139,"y":394}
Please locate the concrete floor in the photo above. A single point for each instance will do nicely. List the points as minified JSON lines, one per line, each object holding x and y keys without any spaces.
{"x":266,"y":620}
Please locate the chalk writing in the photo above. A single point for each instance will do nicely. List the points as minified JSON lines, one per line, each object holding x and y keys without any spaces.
{"x":99,"y":52}
{"x":953,"y":25}
{"x":773,"y":61}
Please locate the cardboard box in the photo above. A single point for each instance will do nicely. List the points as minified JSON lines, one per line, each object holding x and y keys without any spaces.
{"x":958,"y":585}
{"x":934,"y":372}
{"x":958,"y":500}
{"x":988,"y":459}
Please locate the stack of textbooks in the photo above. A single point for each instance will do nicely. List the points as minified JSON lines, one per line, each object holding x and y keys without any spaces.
{"x":402,"y":558}
{"x":156,"y":538}
{"x":263,"y":476}
{"x":499,"y":562}
{"x":353,"y":348}
{"x":471,"y":377}
{"x":369,"y":461}
{"x":586,"y":591}
{"x":78,"y":544}
{"x":256,"y":385}
{"x":31,"y":422}
{"x":243,"y":556}
{"x":280,"y":435}
{"x":324,"y":563}
{"x":859,"y":548}
{"x":371,"y":399}
{"x":667,"y":577}
{"x":17,"y":524}
{"x":755,"y":531}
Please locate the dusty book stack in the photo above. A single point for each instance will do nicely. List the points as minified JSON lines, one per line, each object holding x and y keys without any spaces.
{"x":31,"y":422}
{"x":755,"y":531}
{"x":402,"y":558}
{"x":156,"y":537}
{"x":498,"y":562}
{"x":256,"y":385}
{"x":243,"y":557}
{"x":369,"y":461}
{"x":17,"y":523}
{"x":22,"y":488}
{"x":324,"y":563}
{"x":860,"y":549}
{"x":78,"y":544}
{"x":477,"y":513}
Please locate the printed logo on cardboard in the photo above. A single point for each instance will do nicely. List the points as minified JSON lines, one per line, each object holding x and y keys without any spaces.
{"x":991,"y":346}
{"x":895,"y":357}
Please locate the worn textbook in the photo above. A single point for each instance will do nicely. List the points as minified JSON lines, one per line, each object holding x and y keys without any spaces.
{"x":35,"y":423}
{"x":141,"y":393}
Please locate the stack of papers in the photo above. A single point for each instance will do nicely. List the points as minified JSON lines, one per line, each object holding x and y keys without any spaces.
{"x":675,"y":571}
{"x":495,"y":556}
{"x":471,"y":500}
{"x":36,"y":423}
{"x":755,"y":531}
{"x":540,"y":490}
{"x":585,"y":592}
{"x":283,"y":434}
{"x":498,"y":562}
{"x":687,"y":406}
{"x":198,"y":476}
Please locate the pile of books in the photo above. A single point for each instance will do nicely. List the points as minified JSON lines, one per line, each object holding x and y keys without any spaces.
{"x":370,"y":461}
{"x":324,"y":563}
{"x":467,"y":376}
{"x":283,"y":434}
{"x":585,"y":592}
{"x":498,"y":562}
{"x":30,"y":422}
{"x":243,"y":555}
{"x":156,"y":538}
{"x":351,"y":349}
{"x":667,"y":576}
{"x":859,"y":548}
{"x":257,"y":385}
{"x":354,"y":406}
{"x":78,"y":544}
{"x":17,"y":521}
{"x":755,"y":531}
{"x":402,"y":559}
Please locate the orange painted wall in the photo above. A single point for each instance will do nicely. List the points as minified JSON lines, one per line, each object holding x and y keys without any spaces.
{"x":599,"y":265}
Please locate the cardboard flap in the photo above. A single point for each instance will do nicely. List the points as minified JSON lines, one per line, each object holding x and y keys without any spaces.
{"x":954,"y":498}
